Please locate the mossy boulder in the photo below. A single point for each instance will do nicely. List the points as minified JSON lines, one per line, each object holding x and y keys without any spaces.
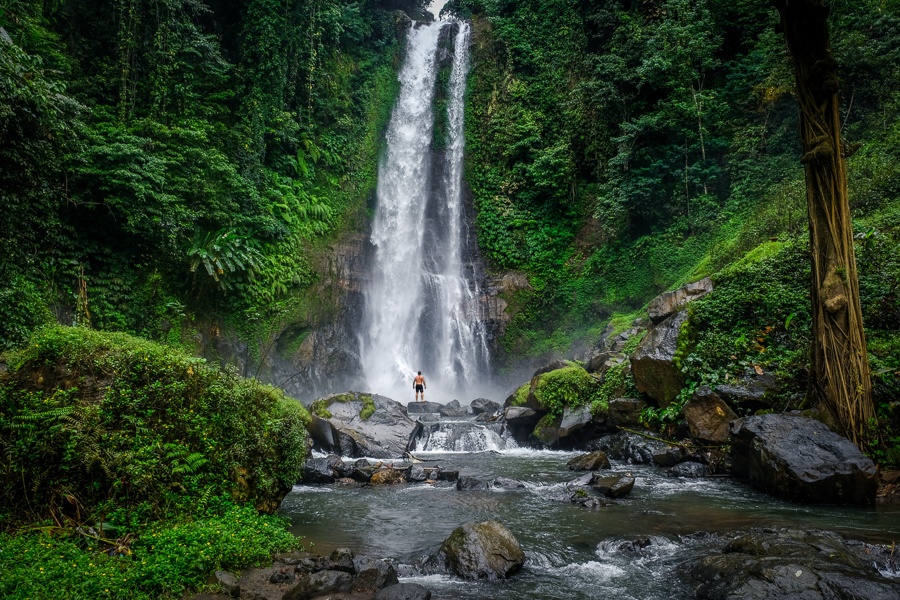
{"x":358,"y":424}
{"x":486,"y":550}
{"x":95,"y":418}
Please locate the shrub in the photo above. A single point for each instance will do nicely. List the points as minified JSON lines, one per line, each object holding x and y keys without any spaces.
{"x":567,"y":387}
{"x":164,"y":561}
{"x":94,"y":423}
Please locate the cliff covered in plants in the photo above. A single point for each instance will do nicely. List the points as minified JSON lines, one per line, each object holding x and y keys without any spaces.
{"x":164,"y":162}
{"x":618,"y":149}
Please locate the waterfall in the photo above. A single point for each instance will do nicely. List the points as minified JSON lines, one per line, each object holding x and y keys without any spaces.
{"x":421,"y":305}
{"x":460,"y":436}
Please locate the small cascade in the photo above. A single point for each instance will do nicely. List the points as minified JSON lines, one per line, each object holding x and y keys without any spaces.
{"x":460,"y":436}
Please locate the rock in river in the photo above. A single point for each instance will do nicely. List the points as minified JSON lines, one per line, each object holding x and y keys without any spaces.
{"x":765,"y":565}
{"x":484,"y":550}
{"x":589,"y":462}
{"x":801,"y":460}
{"x":356,"y":424}
{"x":653,"y":363}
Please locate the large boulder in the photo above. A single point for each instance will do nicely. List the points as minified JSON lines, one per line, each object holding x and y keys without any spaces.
{"x":356,"y":424}
{"x":486,"y":550}
{"x":323,"y":470}
{"x":653,"y":363}
{"x":764,"y":565}
{"x":665,"y":305}
{"x":625,"y":412}
{"x":574,"y":419}
{"x":630,"y":447}
{"x":423,"y":408}
{"x":319,"y":583}
{"x":616,"y":485}
{"x":483,"y":405}
{"x":589,"y":462}
{"x":708,"y":417}
{"x":801,"y":460}
{"x":452,"y":409}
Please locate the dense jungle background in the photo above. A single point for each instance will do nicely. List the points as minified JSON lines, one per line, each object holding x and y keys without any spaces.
{"x":175,"y":169}
{"x":168,"y":165}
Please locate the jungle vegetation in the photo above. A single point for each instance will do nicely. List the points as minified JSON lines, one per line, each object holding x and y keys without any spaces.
{"x":168,"y":163}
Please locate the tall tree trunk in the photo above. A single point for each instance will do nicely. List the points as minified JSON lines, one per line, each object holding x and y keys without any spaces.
{"x":839,"y":374}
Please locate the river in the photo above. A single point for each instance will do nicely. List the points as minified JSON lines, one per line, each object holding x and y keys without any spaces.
{"x":572,"y":551}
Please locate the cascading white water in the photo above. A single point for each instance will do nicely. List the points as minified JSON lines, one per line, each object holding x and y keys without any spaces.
{"x":421,"y":311}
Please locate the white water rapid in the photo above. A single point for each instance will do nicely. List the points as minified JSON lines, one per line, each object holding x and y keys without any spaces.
{"x":421,"y":308}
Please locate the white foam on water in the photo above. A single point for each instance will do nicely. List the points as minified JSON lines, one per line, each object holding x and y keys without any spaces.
{"x":312,"y":489}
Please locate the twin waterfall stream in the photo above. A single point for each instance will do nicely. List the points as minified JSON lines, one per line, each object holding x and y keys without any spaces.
{"x":421,"y":309}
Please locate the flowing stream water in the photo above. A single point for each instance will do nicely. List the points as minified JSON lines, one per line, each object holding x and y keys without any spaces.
{"x":421,"y":307}
{"x":572,"y":551}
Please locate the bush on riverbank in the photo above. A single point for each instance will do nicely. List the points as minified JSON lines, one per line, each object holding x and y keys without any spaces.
{"x":173,"y":457}
{"x":166,"y":560}
{"x":110,"y":425}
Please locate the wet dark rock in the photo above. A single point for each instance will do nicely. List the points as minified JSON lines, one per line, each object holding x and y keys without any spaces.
{"x":553,"y":366}
{"x":753,"y":391}
{"x":453,"y":409}
{"x":708,"y":416}
{"x":419,"y":408}
{"x":668,"y":455}
{"x":323,"y":470}
{"x":785,"y":564}
{"x":471,"y":483}
{"x":373,"y":574}
{"x":483,"y":405}
{"x":801,"y":460}
{"x":486,"y":550}
{"x":625,"y":412}
{"x":689,"y":469}
{"x":520,"y":422}
{"x":666,"y":304}
{"x":362,"y":474}
{"x":547,"y":430}
{"x":589,"y":462}
{"x":284,"y":575}
{"x":447,"y":475}
{"x":383,"y":434}
{"x":633,"y":547}
{"x":628,"y":447}
{"x":603,"y":362}
{"x":416,"y":472}
{"x":486,"y":417}
{"x":321,"y":582}
{"x":653,"y":363}
{"x":613,"y":486}
{"x":228,"y":583}
{"x":506,"y":483}
{"x":342,"y":560}
{"x":403,"y":591}
{"x":719,"y":462}
{"x":574,"y":419}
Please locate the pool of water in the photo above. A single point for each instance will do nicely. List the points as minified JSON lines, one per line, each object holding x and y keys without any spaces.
{"x":572,"y":551}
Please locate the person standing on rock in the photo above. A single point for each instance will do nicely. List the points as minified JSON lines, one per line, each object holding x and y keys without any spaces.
{"x":419,"y":386}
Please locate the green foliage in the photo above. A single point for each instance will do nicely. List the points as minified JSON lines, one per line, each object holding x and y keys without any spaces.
{"x":568,"y":387}
{"x":209,"y":148}
{"x":521,"y":394}
{"x":95,"y":422}
{"x":758,"y":315}
{"x":167,"y":558}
